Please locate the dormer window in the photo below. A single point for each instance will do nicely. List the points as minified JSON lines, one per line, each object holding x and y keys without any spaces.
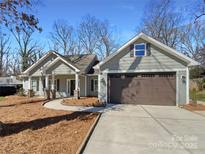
{"x":140,"y":50}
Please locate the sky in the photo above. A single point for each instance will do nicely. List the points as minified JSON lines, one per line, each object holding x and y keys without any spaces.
{"x":124,"y":15}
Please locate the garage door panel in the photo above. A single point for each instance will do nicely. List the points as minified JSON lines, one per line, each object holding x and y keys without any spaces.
{"x":155,"y":89}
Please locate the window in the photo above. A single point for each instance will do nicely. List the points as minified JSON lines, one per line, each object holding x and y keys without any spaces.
{"x":94,"y":85}
{"x":35,"y":85}
{"x":140,"y":50}
{"x":56,"y":84}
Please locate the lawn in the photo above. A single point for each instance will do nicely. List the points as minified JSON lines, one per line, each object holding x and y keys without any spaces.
{"x":200,"y":95}
{"x":31,"y":128}
{"x":1,"y":98}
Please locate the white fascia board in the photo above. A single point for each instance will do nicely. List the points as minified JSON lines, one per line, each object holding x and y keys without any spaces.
{"x":143,"y":71}
{"x":36,"y":63}
{"x":76,"y":69}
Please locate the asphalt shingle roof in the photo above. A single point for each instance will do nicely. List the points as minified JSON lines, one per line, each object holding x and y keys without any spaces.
{"x":83,"y":62}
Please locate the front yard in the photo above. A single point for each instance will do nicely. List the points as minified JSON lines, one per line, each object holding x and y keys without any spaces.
{"x":200,"y":95}
{"x":31,"y":128}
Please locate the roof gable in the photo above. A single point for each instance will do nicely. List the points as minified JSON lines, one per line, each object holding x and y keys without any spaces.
{"x":46,"y":56}
{"x":165,"y":48}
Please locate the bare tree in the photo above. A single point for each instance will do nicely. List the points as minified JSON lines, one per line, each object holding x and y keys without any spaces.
{"x":199,"y":11}
{"x":162,"y":23}
{"x":16,"y":14}
{"x":193,"y":41}
{"x":4,"y":53}
{"x":88,"y":34}
{"x":107,"y":44}
{"x":28,"y":49}
{"x":62,"y":37}
{"x":96,"y":36}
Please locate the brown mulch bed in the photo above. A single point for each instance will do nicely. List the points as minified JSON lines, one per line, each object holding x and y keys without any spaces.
{"x":194,"y":107}
{"x":16,"y":100}
{"x":83,"y":101}
{"x":31,"y":128}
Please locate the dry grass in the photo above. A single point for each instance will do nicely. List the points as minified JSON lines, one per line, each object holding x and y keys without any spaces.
{"x":83,"y":101}
{"x":30,"y":128}
{"x":194,"y":107}
{"x":16,"y":100}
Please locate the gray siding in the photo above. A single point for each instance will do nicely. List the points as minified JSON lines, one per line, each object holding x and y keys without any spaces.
{"x":157,"y":60}
{"x":36,"y":71}
{"x":60,"y":68}
{"x":89,"y":92}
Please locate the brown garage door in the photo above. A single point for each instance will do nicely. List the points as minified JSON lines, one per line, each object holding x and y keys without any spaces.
{"x":147,"y":89}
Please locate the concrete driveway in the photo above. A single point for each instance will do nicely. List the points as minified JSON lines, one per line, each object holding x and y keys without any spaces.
{"x":148,"y":129}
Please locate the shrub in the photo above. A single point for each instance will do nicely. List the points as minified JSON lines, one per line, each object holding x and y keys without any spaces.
{"x":21,"y":92}
{"x":193,"y":95}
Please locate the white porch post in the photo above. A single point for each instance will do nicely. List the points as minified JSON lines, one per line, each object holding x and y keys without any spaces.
{"x":77,"y":89}
{"x":76,"y":81}
{"x":85,"y":85}
{"x":47,"y":82}
{"x":40,"y":86}
{"x":187,"y":85}
{"x":53,"y":82}
{"x":29,"y":83}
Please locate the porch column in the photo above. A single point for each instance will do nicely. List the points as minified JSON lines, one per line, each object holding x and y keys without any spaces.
{"x":29,"y":83}
{"x":53,"y":82}
{"x":47,"y":82}
{"x":47,"y":87}
{"x":77,"y":90}
{"x":85,"y":85}
{"x":76,"y":81}
{"x":29,"y":87}
{"x":40,"y":85}
{"x":53,"y":90}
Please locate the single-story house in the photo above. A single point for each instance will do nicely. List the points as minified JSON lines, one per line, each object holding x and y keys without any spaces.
{"x":9,"y":85}
{"x":142,"y":71}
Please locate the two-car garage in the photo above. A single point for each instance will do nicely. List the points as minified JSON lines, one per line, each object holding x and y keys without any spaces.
{"x":142,"y":88}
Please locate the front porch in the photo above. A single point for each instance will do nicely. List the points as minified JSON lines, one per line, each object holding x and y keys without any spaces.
{"x":61,"y":86}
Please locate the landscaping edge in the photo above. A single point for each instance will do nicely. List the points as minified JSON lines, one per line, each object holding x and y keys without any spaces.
{"x":88,"y":135}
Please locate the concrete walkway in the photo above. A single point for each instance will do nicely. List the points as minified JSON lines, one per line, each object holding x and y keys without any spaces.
{"x":56,"y":105}
{"x":148,"y":129}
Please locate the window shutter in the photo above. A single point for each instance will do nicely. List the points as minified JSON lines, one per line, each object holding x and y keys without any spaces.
{"x":148,"y":48}
{"x":92,"y":85}
{"x":58,"y":84}
{"x":132,"y":50}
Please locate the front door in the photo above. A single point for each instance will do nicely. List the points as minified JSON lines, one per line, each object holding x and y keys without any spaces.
{"x":72,"y":87}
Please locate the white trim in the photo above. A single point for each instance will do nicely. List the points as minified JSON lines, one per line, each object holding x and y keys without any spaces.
{"x":37,"y":62}
{"x":54,"y":62}
{"x":145,"y":49}
{"x":86,"y":80}
{"x":46,"y":55}
{"x":164,"y":47}
{"x":141,"y":71}
{"x":187,"y":85}
{"x":177,"y":88}
{"x":69,"y":93}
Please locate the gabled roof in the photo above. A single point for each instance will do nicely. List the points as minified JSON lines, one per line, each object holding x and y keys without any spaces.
{"x":80,"y":63}
{"x":160,"y":45}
